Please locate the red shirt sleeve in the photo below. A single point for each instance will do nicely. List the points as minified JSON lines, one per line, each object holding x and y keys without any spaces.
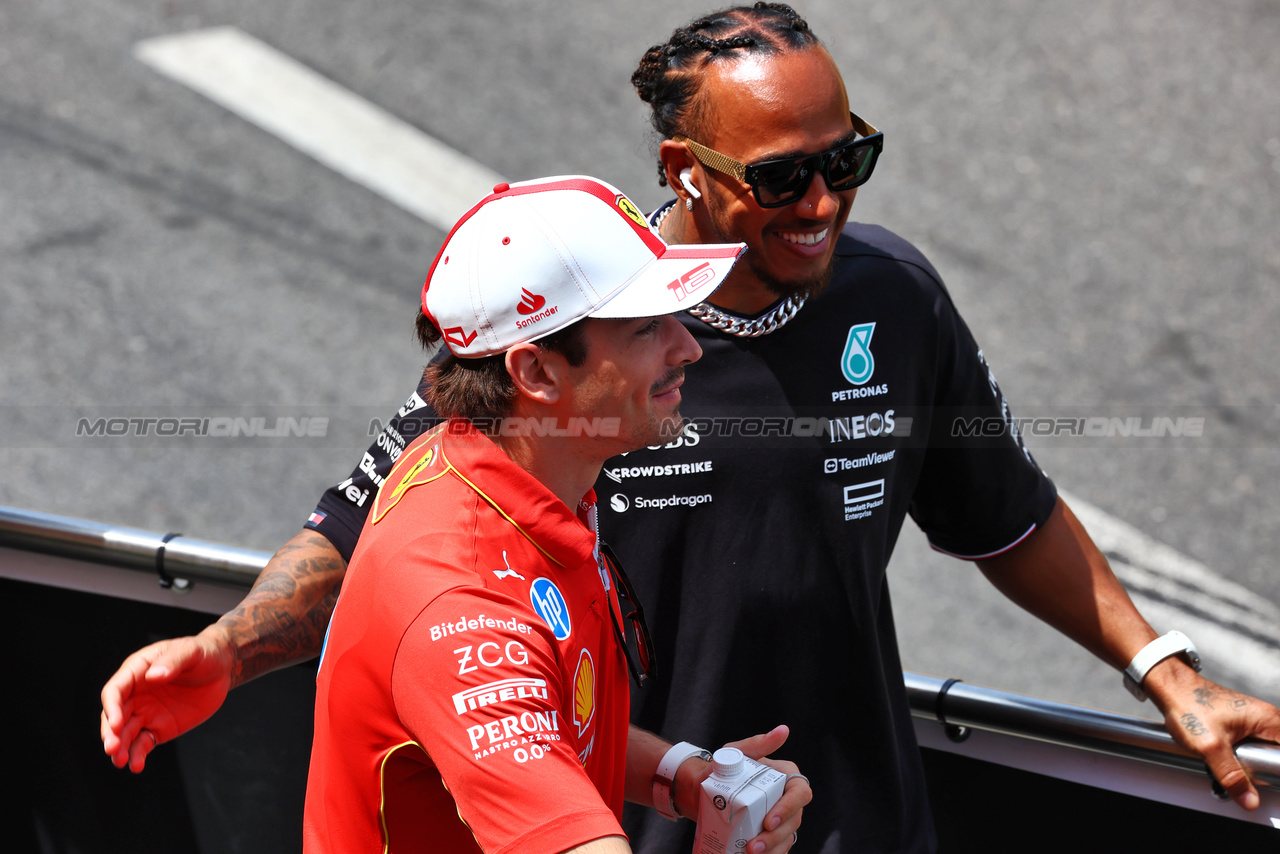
{"x":487,"y":703}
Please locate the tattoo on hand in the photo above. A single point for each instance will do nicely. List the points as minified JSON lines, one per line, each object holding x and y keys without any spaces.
{"x":1207,"y":696}
{"x":1193,"y":725}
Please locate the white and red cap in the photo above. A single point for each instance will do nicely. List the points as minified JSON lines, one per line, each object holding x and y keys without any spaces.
{"x":534,"y":257}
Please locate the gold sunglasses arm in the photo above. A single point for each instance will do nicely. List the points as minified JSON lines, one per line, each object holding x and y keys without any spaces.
{"x":714,"y":159}
{"x":862,"y":126}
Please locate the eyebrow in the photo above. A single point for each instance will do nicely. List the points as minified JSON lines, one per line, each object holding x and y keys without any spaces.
{"x":862,"y":129}
{"x":852,"y":136}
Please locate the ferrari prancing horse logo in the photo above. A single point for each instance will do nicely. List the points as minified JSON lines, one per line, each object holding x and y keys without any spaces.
{"x":633,"y":213}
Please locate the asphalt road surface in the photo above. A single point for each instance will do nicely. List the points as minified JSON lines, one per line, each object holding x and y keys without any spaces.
{"x":1098,"y":183}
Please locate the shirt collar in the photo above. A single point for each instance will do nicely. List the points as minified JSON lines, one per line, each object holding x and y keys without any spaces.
{"x":567,"y":535}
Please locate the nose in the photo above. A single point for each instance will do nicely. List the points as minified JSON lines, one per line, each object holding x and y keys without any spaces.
{"x":682,"y":349}
{"x":820,"y":201}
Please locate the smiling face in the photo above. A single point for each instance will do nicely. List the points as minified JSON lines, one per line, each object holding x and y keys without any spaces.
{"x":768,"y":107}
{"x":633,"y":371}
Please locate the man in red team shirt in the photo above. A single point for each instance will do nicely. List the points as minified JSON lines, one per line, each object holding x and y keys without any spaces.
{"x":472,"y":692}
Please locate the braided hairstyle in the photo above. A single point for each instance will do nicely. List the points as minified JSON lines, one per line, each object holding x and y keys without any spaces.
{"x":669,"y":76}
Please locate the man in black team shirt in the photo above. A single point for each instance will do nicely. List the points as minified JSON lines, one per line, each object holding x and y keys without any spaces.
{"x":820,"y":416}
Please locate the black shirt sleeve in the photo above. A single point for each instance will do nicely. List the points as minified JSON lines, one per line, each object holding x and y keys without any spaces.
{"x":343,"y":507}
{"x":980,"y":491}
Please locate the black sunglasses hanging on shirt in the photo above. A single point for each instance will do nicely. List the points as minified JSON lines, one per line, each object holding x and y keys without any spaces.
{"x":637,"y":645}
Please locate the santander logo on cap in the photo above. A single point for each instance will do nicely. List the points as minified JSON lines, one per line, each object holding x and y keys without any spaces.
{"x":530,"y":302}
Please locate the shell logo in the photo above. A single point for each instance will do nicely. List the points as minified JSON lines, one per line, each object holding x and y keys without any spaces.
{"x":584,"y":692}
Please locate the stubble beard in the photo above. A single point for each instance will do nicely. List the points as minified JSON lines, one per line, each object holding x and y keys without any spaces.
{"x":669,"y":427}
{"x":666,"y":427}
{"x":657,"y":431}
{"x":802,"y":287}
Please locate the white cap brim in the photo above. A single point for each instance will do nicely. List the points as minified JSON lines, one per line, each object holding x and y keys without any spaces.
{"x":683,"y":277}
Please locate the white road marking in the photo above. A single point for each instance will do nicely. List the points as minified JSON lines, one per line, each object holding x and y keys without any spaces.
{"x":320,"y":118}
{"x":1235,"y":629}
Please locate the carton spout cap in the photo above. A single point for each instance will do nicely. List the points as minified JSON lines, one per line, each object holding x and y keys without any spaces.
{"x":727,"y":762}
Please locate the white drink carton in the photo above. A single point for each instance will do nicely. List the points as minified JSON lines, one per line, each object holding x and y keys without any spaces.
{"x":734,"y":801}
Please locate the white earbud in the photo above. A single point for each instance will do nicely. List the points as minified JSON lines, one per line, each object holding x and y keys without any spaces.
{"x":686,"y":178}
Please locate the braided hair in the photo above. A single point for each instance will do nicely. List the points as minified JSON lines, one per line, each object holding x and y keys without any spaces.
{"x":669,"y":75}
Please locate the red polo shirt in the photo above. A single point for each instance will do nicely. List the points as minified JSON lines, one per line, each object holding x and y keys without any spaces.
{"x":471,"y":694}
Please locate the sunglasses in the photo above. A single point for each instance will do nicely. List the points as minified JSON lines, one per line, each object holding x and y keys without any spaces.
{"x":637,"y":646}
{"x":776,"y":183}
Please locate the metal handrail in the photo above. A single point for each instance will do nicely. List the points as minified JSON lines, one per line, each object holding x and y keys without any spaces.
{"x":956,"y":703}
{"x":132,"y":548}
{"x":1080,"y":727}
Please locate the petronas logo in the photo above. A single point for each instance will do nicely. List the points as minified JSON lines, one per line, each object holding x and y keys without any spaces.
{"x":857,"y":364}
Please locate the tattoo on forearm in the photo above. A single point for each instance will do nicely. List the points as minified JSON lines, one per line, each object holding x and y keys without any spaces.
{"x":285,"y":615}
{"x":1193,"y":725}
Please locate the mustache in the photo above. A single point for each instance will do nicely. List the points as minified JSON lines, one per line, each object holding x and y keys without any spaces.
{"x":668,"y":379}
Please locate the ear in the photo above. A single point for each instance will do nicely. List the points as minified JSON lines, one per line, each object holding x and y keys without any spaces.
{"x":538,"y":374}
{"x":675,"y":158}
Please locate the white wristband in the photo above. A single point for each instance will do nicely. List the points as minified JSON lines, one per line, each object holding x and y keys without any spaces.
{"x":1174,"y":643}
{"x":664,"y":779}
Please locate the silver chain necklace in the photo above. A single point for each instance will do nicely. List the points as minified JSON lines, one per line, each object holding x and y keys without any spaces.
{"x":771,"y":321}
{"x":743,"y":327}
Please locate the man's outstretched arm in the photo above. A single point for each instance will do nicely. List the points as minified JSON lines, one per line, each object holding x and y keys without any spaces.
{"x":169,"y":687}
{"x":1060,"y":576}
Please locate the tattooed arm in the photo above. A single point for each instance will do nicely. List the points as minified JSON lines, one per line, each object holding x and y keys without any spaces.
{"x":1059,"y":575}
{"x":171,"y":686}
{"x":167,"y":688}
{"x":285,"y":615}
